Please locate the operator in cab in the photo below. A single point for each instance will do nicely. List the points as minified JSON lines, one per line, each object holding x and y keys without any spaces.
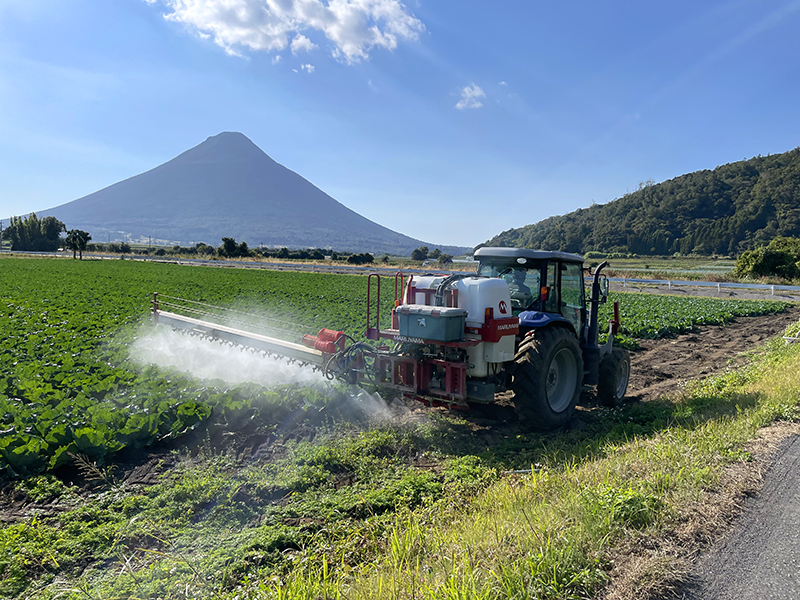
{"x":521,"y":295}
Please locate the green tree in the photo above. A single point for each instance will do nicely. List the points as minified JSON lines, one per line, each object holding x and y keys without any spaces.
{"x":34,"y":234}
{"x":361,"y":259}
{"x":420,"y":253}
{"x":445,"y":259}
{"x":230,"y":249}
{"x":781,"y":258}
{"x":77,"y":240}
{"x":202,"y":248}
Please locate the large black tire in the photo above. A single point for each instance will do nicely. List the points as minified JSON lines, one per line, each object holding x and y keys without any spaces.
{"x":548,"y":377}
{"x":615,"y":371}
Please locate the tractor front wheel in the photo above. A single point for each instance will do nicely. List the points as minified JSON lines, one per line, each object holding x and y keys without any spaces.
{"x":548,"y":377}
{"x":615,"y":371}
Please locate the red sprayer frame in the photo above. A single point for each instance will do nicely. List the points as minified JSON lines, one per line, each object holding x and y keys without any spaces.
{"x":417,"y":378}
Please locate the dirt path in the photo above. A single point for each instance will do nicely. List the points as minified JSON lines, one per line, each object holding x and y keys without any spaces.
{"x":664,"y":366}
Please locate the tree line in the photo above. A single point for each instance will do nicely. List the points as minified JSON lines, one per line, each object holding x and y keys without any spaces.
{"x":725,"y":211}
{"x":44,"y":235}
{"x":32,"y":234}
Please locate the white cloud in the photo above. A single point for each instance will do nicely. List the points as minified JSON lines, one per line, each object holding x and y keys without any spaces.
{"x":471,"y":97}
{"x":502,"y":83}
{"x":276,"y":59}
{"x":307,"y":68}
{"x":301,"y":43}
{"x":354,"y":27}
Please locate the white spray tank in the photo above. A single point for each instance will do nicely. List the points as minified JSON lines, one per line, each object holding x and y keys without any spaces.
{"x":486,"y":298}
{"x":482,"y":298}
{"x":425,"y":287}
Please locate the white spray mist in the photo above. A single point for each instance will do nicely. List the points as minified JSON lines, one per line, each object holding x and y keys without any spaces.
{"x":205,"y":359}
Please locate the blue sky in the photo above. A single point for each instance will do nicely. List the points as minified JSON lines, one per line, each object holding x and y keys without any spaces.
{"x":449,"y":121}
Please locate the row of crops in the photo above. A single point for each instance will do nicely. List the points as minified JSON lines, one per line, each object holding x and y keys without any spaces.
{"x":646,"y":316}
{"x":69,"y":387}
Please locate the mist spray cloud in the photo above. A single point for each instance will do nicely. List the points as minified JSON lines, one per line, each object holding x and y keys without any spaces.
{"x":204,"y":359}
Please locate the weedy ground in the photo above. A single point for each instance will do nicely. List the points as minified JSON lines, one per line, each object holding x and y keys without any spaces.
{"x":415,"y":510}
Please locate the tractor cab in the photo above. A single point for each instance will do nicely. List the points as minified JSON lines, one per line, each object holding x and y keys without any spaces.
{"x":548,"y":283}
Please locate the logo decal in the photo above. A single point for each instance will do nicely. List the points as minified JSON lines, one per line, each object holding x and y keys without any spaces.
{"x":503,"y":307}
{"x":413,"y":340}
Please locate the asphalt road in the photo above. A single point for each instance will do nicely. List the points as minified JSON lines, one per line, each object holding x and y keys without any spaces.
{"x":759,"y":559}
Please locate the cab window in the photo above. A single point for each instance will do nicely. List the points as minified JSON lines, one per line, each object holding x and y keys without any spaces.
{"x":572,"y":300}
{"x":523,"y":284}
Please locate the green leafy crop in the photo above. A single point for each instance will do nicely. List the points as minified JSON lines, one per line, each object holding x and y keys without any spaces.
{"x":68,"y":387}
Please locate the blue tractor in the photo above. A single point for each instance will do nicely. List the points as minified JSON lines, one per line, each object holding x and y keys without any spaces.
{"x":556,"y":351}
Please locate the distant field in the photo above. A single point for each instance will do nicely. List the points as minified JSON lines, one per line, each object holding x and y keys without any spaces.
{"x":690,"y":267}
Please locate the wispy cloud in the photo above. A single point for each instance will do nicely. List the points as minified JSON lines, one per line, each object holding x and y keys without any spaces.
{"x":354,"y":27}
{"x":307,"y":68}
{"x":471,"y":97}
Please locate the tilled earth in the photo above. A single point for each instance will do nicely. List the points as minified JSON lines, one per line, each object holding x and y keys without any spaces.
{"x":662,"y":367}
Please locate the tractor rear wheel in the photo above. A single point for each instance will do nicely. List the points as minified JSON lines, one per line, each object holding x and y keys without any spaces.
{"x":615,"y":371}
{"x":548,"y":377}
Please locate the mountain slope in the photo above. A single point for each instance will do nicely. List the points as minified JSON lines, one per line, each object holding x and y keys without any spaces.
{"x":227,"y":186}
{"x":722,"y":211}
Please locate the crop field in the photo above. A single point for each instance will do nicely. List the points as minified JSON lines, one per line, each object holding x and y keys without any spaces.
{"x":676,"y":268}
{"x":74,"y":402}
{"x":68,"y":384}
{"x":652,"y":317}
{"x":67,"y":381}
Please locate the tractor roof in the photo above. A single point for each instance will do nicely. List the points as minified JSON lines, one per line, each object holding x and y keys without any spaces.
{"x":513,"y":253}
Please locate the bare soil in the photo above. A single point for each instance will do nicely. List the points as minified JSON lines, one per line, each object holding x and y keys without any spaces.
{"x":663,"y":367}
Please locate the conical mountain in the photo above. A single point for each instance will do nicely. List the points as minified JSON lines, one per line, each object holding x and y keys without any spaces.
{"x":228,"y":187}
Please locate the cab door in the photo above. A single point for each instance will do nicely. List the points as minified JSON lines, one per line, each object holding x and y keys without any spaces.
{"x":572,"y":299}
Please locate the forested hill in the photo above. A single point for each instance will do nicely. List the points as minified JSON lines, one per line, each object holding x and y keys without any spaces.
{"x":725,"y":211}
